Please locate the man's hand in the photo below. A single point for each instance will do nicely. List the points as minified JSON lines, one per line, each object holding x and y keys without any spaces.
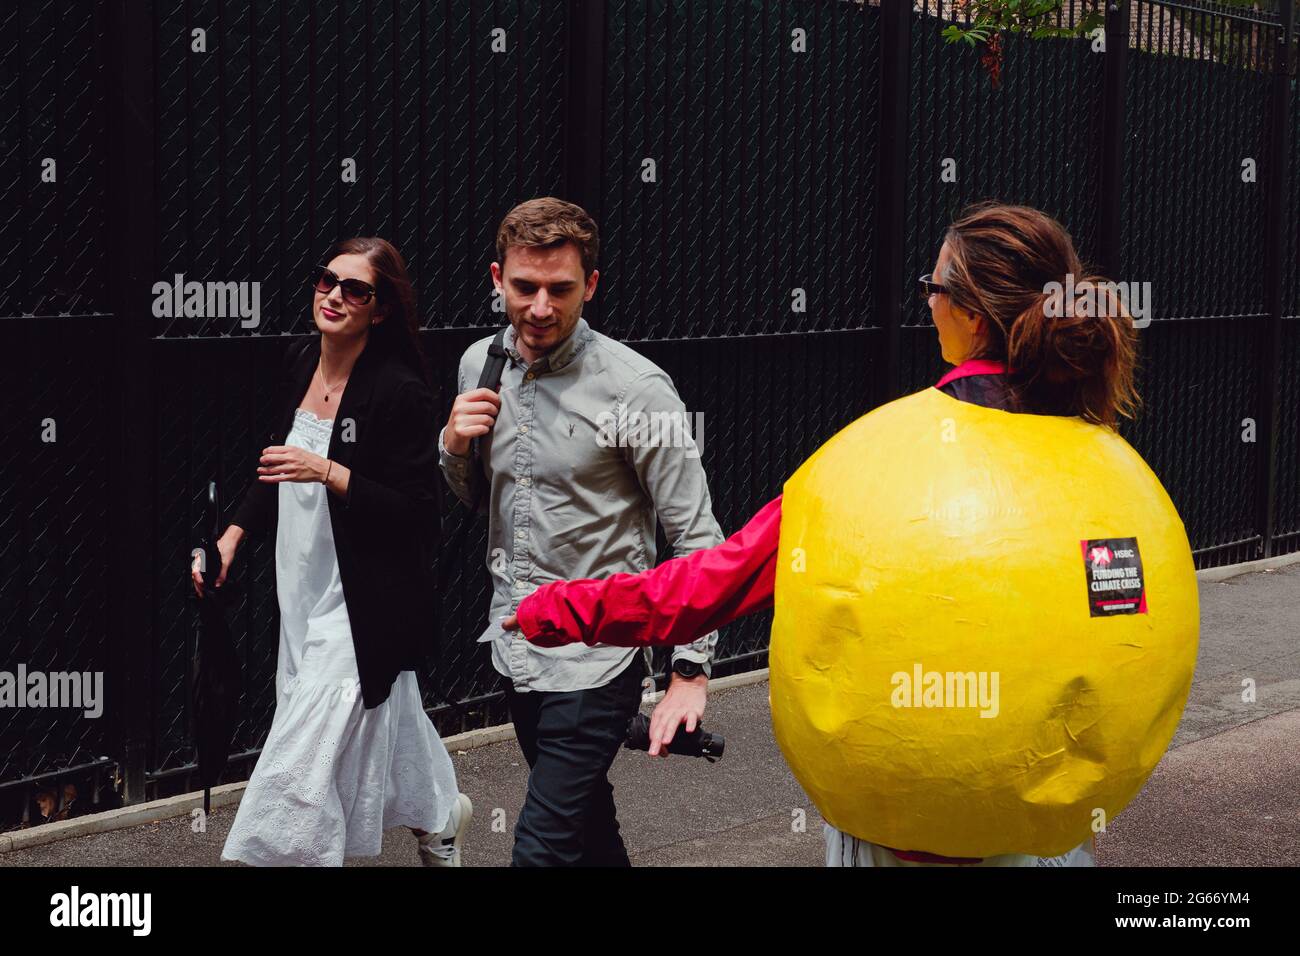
{"x":472,"y":414}
{"x":683,"y":702}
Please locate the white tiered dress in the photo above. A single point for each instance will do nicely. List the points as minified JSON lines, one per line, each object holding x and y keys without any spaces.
{"x":332,"y":775}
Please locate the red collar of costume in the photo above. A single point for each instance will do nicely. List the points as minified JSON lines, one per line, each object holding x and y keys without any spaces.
{"x":972,"y":367}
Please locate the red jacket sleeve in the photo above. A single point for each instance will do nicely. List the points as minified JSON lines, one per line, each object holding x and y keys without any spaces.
{"x":674,"y":603}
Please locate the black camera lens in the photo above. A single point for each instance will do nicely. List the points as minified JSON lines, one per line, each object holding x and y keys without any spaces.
{"x":698,"y":743}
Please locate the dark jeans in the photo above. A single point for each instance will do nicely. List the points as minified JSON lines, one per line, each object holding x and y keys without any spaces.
{"x":570,"y":740}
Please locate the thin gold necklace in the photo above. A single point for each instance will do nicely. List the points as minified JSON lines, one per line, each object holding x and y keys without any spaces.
{"x":321,"y":372}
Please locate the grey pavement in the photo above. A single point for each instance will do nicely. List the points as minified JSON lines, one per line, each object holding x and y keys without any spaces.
{"x":1228,"y":790}
{"x":1226,"y":793}
{"x":1250,"y":629}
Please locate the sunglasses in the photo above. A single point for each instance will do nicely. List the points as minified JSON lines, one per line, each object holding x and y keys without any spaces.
{"x":355,"y":292}
{"x":929,"y":287}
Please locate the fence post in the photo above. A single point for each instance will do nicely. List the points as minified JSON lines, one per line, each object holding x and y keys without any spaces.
{"x":585,"y":113}
{"x":129,"y":63}
{"x":1275,"y":204}
{"x":891,"y":187}
{"x":1110,"y":200}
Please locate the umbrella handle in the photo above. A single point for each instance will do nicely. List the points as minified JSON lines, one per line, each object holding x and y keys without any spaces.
{"x":213,"y":511}
{"x":212,"y":521}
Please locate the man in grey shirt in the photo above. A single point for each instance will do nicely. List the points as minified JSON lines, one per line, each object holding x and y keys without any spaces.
{"x":582,"y":447}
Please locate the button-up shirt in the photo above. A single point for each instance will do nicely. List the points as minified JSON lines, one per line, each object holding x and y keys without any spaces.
{"x":591,"y":444}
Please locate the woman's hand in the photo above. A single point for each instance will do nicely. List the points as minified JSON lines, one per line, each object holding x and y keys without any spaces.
{"x":227,"y":545}
{"x":290,"y":463}
{"x":542,"y":638}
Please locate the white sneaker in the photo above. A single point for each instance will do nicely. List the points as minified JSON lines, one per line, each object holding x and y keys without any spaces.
{"x":443,"y":849}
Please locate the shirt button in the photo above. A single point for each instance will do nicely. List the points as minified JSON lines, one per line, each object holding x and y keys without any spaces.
{"x":519,"y":534}
{"x":523,"y":429}
{"x":529,"y":377}
{"x":524,"y":482}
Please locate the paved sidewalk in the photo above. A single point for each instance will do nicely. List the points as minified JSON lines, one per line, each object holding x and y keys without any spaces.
{"x":1226,"y":793}
{"x":1228,"y":790}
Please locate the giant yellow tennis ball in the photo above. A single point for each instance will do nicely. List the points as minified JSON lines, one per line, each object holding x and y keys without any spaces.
{"x":985,"y":628}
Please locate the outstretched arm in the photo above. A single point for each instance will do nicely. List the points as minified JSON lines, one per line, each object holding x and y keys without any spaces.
{"x":673,"y":603}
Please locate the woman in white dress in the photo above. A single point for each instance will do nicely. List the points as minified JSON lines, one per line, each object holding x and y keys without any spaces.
{"x":350,"y":486}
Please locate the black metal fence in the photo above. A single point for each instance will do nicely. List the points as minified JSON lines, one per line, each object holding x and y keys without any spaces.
{"x":727,"y":169}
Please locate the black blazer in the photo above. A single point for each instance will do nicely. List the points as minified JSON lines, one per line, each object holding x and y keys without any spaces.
{"x":386,"y":528}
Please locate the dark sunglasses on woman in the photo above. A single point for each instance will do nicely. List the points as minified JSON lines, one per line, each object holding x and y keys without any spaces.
{"x":928,"y":287}
{"x":355,"y":292}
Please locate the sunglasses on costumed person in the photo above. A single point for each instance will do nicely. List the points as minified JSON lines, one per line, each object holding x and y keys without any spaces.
{"x":926,"y":287}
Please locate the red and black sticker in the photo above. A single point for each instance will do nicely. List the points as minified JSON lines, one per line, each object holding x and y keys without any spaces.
{"x":1113,"y":568}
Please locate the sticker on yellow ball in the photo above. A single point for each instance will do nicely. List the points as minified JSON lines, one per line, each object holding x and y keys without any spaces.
{"x":1114,"y":569}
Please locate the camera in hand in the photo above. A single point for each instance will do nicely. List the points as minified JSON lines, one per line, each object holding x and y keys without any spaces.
{"x":698,"y":743}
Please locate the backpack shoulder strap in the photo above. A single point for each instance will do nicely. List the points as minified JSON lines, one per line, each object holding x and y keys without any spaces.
{"x":490,"y":377}
{"x":450,"y":549}
{"x":495,"y":364}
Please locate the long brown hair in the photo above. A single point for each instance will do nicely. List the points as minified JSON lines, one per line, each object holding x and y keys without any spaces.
{"x":399,"y":332}
{"x":1003,"y":263}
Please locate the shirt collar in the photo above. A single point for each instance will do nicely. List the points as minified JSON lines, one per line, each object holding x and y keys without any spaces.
{"x":561,"y":355}
{"x":972,"y":367}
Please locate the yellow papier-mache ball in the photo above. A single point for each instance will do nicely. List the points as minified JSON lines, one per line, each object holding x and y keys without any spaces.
{"x":936,"y":537}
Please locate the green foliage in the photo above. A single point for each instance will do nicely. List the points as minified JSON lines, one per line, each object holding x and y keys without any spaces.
{"x":992,"y":18}
{"x":1017,"y":16}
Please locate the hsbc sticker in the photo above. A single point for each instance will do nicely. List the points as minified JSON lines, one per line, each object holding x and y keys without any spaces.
{"x":1113,"y":569}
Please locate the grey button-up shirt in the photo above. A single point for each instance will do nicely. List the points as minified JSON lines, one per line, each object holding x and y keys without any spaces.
{"x":578,"y":467}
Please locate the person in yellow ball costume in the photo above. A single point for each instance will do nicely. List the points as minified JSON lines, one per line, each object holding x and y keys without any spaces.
{"x":986,"y":611}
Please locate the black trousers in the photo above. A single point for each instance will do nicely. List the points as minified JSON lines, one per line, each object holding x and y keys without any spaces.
{"x":570,"y":740}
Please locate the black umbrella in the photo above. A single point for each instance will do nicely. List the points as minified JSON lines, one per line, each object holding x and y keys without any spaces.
{"x":218,"y":675}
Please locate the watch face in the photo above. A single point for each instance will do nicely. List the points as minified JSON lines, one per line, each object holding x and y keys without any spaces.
{"x":688,"y":668}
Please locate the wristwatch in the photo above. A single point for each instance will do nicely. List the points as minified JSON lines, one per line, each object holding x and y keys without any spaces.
{"x":687,"y":668}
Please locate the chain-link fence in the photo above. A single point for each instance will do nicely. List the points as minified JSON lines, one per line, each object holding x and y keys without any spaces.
{"x":769,"y":178}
